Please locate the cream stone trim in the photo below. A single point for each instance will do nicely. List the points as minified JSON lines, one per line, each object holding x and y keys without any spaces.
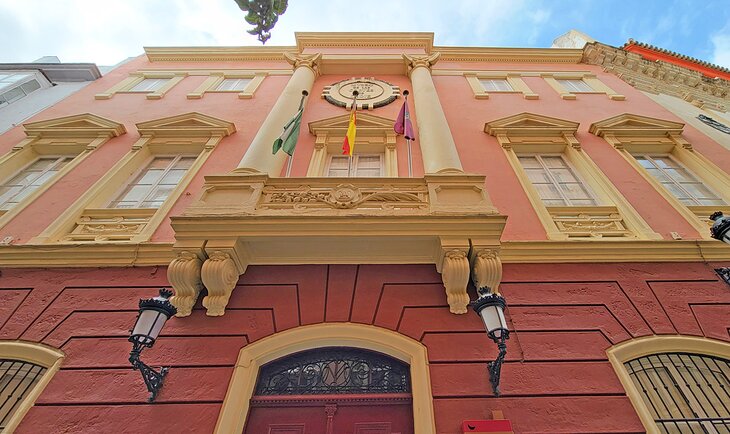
{"x":48,"y":357}
{"x":74,"y":136}
{"x":211,"y":84}
{"x":630,"y":133}
{"x":236,"y":405}
{"x":76,"y":255}
{"x":644,"y":346}
{"x":513,"y":78}
{"x":530,"y":133}
{"x":589,"y":78}
{"x":126,"y":85}
{"x":516,"y":55}
{"x":422,"y":40}
{"x":375,"y":134}
{"x":191,"y":133}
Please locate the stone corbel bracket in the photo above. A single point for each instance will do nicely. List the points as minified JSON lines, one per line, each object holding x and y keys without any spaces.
{"x":454,"y":269}
{"x":486,"y":268}
{"x":184,"y":276}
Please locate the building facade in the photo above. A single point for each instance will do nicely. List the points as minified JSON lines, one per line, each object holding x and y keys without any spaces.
{"x":326,"y":294}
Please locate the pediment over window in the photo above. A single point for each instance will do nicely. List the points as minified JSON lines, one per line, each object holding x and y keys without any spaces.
{"x":367,"y":125}
{"x":192,"y":124}
{"x":530,"y":125}
{"x":631,"y":125}
{"x":76,"y":126}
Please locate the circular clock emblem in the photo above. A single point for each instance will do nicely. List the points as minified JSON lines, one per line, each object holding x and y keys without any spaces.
{"x":372,"y":93}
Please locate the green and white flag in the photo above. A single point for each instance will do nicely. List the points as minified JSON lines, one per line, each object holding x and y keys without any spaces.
{"x":288,"y":139}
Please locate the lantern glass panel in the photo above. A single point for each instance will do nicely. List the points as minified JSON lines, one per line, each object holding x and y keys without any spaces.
{"x":149,"y":323}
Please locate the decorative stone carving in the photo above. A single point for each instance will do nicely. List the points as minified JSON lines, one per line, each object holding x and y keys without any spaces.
{"x":219,"y":275}
{"x":659,"y":77}
{"x":455,"y":276}
{"x":487,"y":270}
{"x":344,"y":196}
{"x":590,"y":222}
{"x":184,"y":276}
{"x":372,"y":93}
{"x":113,"y":224}
{"x":414,"y":62}
{"x":310,"y":61}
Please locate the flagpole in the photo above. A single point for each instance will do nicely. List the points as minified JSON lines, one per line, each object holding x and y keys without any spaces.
{"x":352,"y":145}
{"x":291,"y":157}
{"x":408,"y":142}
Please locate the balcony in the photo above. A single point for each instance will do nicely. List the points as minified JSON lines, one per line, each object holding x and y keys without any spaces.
{"x":242,"y":219}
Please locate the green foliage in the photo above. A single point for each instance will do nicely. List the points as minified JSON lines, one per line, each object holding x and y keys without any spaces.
{"x":263,"y":15}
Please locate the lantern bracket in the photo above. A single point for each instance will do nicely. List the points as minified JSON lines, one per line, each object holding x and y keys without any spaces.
{"x":152,"y":379}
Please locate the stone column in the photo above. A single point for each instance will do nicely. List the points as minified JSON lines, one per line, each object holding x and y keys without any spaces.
{"x":258,"y":157}
{"x":437,"y":144}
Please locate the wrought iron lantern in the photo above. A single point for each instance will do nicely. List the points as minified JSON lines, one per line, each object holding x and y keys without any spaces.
{"x":720,"y":230}
{"x":490,"y":308}
{"x":153,"y":313}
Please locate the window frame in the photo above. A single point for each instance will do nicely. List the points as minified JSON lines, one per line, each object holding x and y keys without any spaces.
{"x":215,"y":78}
{"x":133,"y":225}
{"x":57,"y":158}
{"x":553,"y":181}
{"x":48,"y":357}
{"x":528,"y":133}
{"x":514,"y":79}
{"x":590,"y":79}
{"x":353,"y":167}
{"x":123,"y":187}
{"x":658,"y":136}
{"x":73,"y":136}
{"x":32,"y":75}
{"x":649,"y":345}
{"x":127,"y":85}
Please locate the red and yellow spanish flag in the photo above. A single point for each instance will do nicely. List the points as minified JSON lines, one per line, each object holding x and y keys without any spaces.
{"x":349,"y":145}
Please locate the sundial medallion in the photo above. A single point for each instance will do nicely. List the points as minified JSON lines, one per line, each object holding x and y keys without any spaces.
{"x":372,"y":93}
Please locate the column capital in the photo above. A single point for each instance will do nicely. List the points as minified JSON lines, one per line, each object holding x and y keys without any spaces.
{"x":413,"y":62}
{"x":310,"y":61}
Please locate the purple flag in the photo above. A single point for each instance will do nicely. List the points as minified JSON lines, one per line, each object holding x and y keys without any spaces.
{"x":403,"y":124}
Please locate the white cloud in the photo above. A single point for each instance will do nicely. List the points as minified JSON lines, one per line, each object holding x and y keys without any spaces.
{"x":106,"y":32}
{"x":721,"y":52}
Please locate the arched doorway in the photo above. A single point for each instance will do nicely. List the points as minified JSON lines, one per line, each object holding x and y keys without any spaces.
{"x":332,"y":390}
{"x":242,"y":387}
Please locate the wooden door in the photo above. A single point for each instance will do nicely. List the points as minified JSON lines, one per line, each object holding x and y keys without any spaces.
{"x":332,"y":391}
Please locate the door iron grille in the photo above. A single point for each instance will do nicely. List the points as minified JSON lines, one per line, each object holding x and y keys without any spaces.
{"x":17,"y":379}
{"x":685,"y":393}
{"x":333,"y":370}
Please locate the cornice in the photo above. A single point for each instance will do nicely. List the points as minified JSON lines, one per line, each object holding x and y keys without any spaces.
{"x":203,"y":54}
{"x":514,"y":252}
{"x":659,"y":76}
{"x":503,"y":54}
{"x":422,"y":40}
{"x":632,"y":42}
{"x":86,"y":255}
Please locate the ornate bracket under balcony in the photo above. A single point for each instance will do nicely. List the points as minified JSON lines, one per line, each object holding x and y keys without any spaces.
{"x":244,"y":219}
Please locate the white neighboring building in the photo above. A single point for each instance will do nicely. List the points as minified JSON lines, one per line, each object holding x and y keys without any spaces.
{"x":572,"y":39}
{"x":27,"y":88}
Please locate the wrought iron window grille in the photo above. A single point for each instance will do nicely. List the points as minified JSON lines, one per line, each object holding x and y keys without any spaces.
{"x":685,"y":393}
{"x":17,"y":379}
{"x":334,"y":370}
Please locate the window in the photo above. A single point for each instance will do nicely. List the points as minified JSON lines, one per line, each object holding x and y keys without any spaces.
{"x":25,"y":369}
{"x":18,"y":378}
{"x":555,"y":181}
{"x":14,"y":86}
{"x":685,"y":393}
{"x":149,"y":85}
{"x":679,"y":181}
{"x":496,"y":85}
{"x":363,"y":165}
{"x":155,"y":183}
{"x":29,"y":179}
{"x":575,"y":85}
{"x":233,"y":84}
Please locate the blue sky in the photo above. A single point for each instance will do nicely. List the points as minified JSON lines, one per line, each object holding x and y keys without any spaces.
{"x":107,"y":31}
